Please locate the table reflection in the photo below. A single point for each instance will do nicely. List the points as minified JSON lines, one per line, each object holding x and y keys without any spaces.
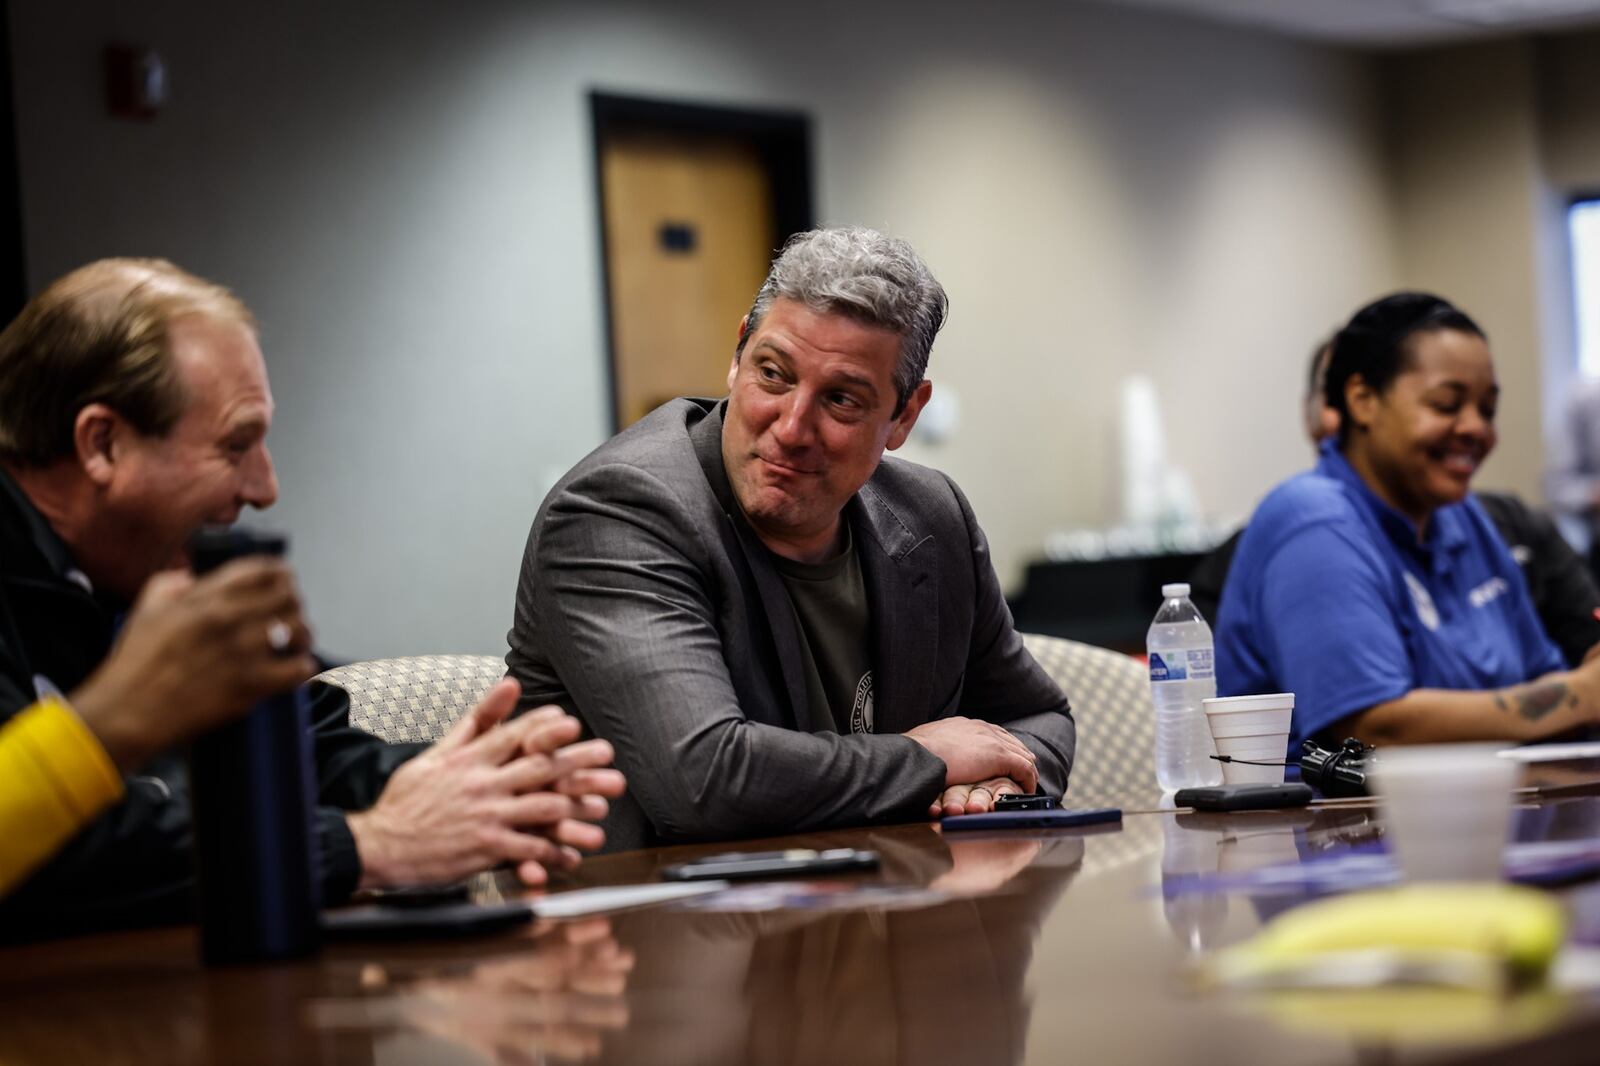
{"x":935,"y":983}
{"x":143,"y":997}
{"x":1203,"y":844}
{"x":554,"y":996}
{"x":940,"y":981}
{"x":934,"y":958}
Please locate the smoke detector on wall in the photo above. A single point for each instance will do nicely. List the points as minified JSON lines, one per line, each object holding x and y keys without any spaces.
{"x":136,"y":81}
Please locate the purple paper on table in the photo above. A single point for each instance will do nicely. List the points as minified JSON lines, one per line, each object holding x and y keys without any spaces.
{"x":1553,"y":862}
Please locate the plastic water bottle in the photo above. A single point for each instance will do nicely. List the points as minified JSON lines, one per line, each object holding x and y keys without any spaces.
{"x":1181,"y":675}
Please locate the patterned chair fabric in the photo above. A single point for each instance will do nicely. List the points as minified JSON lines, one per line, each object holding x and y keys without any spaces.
{"x":419,"y":697}
{"x":416,"y":698}
{"x":1110,"y":694}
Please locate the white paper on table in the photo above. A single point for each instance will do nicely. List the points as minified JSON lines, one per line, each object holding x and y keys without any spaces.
{"x":1576,"y":969}
{"x":584,"y":901}
{"x":1552,"y":752}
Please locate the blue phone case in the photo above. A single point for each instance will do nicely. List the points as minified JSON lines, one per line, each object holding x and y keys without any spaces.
{"x":1058,"y":818}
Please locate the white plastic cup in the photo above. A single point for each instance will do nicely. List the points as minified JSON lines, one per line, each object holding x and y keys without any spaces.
{"x":1254,"y":730}
{"x":1446,"y":809}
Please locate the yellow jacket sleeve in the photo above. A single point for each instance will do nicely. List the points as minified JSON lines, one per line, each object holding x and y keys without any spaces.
{"x":56,"y":778}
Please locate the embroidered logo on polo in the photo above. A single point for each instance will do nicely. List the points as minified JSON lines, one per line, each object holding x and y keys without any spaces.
{"x":861,"y":708}
{"x":1488,"y":592}
{"x":1427,"y":613}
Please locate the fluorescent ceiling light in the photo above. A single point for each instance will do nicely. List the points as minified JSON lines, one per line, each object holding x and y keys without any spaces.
{"x":1503,"y":12}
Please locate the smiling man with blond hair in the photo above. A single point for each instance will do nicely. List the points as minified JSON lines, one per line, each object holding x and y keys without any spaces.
{"x":134,"y":409}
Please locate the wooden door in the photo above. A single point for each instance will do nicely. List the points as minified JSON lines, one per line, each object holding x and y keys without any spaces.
{"x":689,"y":236}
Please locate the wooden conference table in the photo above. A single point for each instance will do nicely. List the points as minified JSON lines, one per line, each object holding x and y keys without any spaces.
{"x":1024,"y":948}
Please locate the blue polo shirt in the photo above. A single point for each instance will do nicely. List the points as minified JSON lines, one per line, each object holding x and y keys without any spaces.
{"x":1332,"y":598}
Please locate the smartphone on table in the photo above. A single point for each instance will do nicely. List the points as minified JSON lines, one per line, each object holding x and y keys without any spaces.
{"x":1049,"y":818}
{"x":795,"y":862}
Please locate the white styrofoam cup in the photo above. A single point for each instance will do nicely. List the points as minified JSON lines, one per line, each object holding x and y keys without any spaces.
{"x":1446,"y":809}
{"x":1252,"y":729}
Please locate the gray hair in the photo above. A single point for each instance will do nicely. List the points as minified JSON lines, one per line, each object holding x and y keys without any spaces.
{"x":874,"y":279}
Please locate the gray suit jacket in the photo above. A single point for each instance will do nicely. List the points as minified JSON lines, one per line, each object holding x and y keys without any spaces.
{"x":649,"y":608}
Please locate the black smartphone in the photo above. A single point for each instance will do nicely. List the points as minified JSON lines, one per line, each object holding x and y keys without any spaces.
{"x":1038,"y":801}
{"x":1054,"y":818}
{"x":1258,"y":797}
{"x":735,"y":865}
{"x":376,"y":921}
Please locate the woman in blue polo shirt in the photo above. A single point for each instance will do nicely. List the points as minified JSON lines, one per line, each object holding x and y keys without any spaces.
{"x":1372,"y":587}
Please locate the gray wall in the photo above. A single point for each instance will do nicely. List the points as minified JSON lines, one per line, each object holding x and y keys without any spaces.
{"x":404,"y":193}
{"x":1490,"y":141}
{"x":1468,"y":200}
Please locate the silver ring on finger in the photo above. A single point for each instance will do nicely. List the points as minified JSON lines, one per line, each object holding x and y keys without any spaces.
{"x":279,"y":636}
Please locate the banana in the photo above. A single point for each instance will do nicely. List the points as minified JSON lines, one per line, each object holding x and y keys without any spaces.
{"x":1459,"y":934}
{"x":1420,"y":1015}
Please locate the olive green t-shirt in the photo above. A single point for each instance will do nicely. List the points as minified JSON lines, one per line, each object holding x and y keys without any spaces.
{"x":830,"y":607}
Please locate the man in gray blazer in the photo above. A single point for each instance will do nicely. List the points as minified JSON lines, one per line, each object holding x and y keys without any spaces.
{"x":778,"y":629}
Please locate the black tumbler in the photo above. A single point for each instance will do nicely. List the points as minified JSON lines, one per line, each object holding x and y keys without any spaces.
{"x":252,"y":792}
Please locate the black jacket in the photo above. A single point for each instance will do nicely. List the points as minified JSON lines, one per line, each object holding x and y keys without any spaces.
{"x":133,"y":864}
{"x":1564,"y":593}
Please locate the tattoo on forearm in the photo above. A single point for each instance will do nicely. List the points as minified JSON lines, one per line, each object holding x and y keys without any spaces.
{"x":1536,"y":701}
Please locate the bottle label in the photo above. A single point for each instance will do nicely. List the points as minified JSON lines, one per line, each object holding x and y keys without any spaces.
{"x":1181,"y":664}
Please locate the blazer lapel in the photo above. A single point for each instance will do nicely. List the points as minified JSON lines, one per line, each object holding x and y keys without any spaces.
{"x":707,"y":438}
{"x":901,"y":571}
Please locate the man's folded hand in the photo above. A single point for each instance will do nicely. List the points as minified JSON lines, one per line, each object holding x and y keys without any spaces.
{"x":973,"y":799}
{"x":975,"y":750}
{"x":489,"y":792}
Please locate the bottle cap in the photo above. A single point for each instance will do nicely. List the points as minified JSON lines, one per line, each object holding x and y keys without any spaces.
{"x":1173,"y":592}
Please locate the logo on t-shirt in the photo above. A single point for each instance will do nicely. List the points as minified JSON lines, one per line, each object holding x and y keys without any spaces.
{"x":1488,"y":592}
{"x":1427,"y":613}
{"x":861,"y":709}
